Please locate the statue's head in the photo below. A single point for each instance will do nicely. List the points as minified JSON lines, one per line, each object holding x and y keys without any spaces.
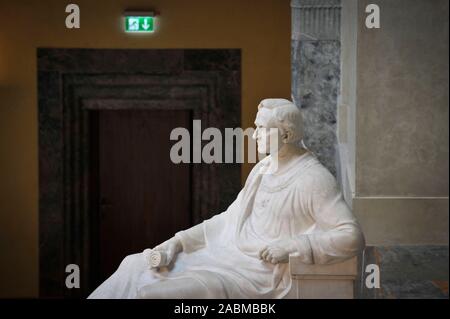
{"x":279,"y":114}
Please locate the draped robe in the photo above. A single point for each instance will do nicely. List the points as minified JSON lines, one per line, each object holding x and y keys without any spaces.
{"x":301,"y":203}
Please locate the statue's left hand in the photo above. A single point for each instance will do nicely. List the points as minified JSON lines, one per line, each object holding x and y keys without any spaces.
{"x":278,"y":252}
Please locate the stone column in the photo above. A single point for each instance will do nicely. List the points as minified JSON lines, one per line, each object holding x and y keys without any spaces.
{"x":315,"y":58}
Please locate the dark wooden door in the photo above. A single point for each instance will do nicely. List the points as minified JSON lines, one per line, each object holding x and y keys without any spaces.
{"x":143,"y":198}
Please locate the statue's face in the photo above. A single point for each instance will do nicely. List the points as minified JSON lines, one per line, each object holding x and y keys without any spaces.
{"x":267,"y":134}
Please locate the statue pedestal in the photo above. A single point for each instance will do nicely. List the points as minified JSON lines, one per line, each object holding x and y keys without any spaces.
{"x":335,"y":281}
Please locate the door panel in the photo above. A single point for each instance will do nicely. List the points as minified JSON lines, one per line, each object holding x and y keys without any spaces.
{"x":143,"y":197}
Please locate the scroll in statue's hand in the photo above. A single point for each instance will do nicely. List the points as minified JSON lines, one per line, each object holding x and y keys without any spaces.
{"x":278,"y":252}
{"x":164,"y":254}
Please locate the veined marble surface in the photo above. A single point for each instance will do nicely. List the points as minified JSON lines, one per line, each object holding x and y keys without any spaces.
{"x":315,"y":88}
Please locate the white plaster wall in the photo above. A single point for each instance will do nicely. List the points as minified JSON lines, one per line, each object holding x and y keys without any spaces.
{"x":402,"y":116}
{"x":396,"y":95}
{"x":347,"y":99}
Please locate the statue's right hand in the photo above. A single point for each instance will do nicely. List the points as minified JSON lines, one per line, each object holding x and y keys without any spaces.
{"x":170,"y":248}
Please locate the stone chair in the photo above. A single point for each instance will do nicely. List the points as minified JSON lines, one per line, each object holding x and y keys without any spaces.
{"x":334,"y":281}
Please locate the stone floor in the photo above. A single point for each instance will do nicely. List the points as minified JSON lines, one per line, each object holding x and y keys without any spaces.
{"x":407,"y":272}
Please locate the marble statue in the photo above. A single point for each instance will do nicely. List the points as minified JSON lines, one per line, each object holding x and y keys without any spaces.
{"x":243,"y":252}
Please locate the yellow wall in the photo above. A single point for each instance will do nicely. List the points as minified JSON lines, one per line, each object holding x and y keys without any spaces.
{"x":260,"y":28}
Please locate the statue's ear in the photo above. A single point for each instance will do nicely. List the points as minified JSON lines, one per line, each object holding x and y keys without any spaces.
{"x":287,"y":136}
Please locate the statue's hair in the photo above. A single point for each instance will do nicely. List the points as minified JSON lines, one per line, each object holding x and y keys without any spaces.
{"x":287,"y":115}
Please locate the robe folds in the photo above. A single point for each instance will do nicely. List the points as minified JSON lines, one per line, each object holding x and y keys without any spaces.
{"x":301,"y":203}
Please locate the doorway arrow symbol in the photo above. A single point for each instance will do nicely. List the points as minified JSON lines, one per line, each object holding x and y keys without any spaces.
{"x":146,"y":25}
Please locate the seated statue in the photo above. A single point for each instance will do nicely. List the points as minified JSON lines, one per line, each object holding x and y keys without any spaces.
{"x":290,"y":204}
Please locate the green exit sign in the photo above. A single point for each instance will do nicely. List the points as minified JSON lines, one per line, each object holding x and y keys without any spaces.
{"x":139,"y":23}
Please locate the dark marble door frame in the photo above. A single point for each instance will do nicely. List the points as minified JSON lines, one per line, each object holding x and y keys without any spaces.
{"x":73,"y":83}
